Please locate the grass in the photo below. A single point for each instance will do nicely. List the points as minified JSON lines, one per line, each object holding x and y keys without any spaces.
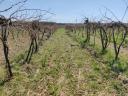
{"x":62,"y":68}
{"x":108,"y":55}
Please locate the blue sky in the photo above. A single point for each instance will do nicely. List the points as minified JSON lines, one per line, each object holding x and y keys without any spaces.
{"x":75,"y":10}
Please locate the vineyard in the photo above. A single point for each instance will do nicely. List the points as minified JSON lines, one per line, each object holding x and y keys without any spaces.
{"x":42,"y":58}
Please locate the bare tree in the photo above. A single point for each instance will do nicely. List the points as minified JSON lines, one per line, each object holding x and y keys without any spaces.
{"x":103,"y":37}
{"x":87,"y":30}
{"x":117,"y":46}
{"x":4,"y":24}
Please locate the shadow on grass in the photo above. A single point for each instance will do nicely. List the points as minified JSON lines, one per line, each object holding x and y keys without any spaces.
{"x":103,"y":52}
{"x":118,"y":66}
{"x":2,"y":82}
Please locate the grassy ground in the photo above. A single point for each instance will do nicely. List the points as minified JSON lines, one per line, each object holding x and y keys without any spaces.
{"x":62,"y":68}
{"x":121,"y":66}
